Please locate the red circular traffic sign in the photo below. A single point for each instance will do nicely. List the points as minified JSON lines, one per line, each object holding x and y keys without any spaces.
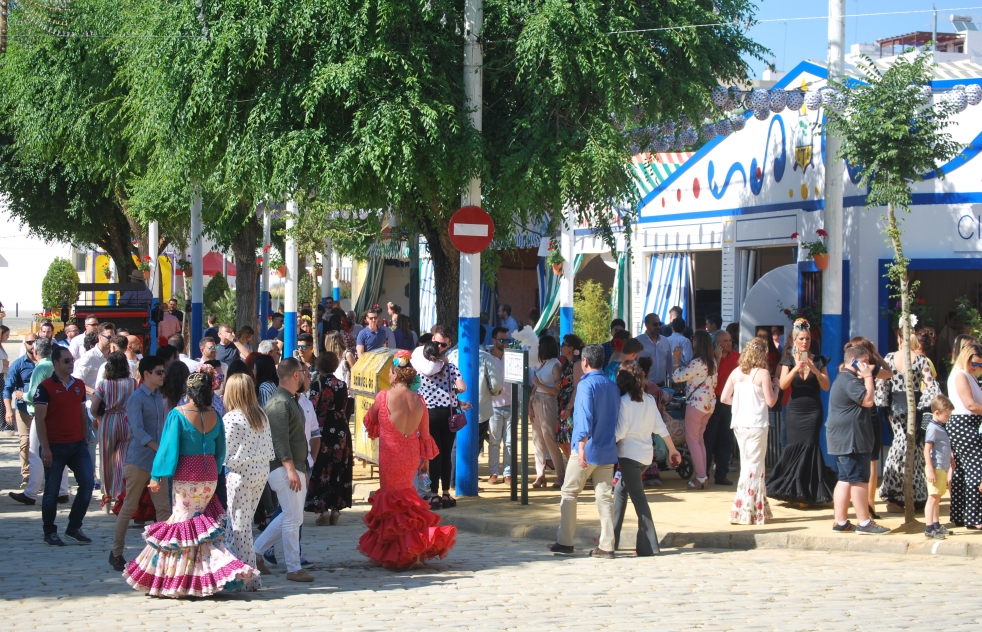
{"x":471,"y":230}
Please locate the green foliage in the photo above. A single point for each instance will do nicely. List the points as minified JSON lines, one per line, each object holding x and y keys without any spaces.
{"x":307,"y":289}
{"x":969,"y":316}
{"x":216,"y":289}
{"x":591,"y":312}
{"x":224,"y":308}
{"x":60,"y":285}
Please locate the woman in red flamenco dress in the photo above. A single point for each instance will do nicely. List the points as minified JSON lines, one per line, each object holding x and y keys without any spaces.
{"x":402,"y":531}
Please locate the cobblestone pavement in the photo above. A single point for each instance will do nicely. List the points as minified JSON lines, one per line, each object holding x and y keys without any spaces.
{"x":488,"y":583}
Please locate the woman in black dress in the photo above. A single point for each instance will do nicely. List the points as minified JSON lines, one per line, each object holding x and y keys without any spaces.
{"x":801,"y":476}
{"x":330,"y":479}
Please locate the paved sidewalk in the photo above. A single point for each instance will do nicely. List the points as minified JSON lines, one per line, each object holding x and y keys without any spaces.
{"x":685,"y":518}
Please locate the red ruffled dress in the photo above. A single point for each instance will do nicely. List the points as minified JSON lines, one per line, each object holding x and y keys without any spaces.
{"x":402,"y":531}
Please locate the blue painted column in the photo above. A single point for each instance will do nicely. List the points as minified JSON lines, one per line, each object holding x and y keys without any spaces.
{"x":264,"y":289}
{"x":468,"y":356}
{"x":566,"y":242}
{"x":197,"y":278}
{"x":335,"y":273}
{"x":153,"y":243}
{"x":290,"y":291}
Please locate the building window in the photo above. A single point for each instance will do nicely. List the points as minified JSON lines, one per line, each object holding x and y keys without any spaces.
{"x":80,"y":258}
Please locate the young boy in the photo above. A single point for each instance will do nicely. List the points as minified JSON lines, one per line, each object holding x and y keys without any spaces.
{"x":937,"y":457}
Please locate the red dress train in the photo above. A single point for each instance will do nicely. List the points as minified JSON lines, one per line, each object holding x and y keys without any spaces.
{"x":402,"y":531}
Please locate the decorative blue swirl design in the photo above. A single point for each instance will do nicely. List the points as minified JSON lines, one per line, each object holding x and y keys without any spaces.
{"x":780,"y":161}
{"x":717,"y":192}
{"x":853,"y":172}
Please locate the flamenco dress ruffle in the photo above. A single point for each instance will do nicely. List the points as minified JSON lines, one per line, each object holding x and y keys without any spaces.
{"x":403,"y":532}
{"x":185,"y":556}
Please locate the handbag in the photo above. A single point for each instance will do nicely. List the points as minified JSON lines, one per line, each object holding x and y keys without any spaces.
{"x":457,"y":420}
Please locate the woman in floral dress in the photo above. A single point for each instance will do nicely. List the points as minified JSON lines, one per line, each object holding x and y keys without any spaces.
{"x":114,"y":429}
{"x":329,"y":490}
{"x":892,"y":394}
{"x":700,"y":401}
{"x":572,"y":372}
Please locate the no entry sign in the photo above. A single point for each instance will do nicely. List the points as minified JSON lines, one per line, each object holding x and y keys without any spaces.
{"x":471,"y":230}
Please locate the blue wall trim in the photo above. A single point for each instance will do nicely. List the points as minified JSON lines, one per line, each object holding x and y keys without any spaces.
{"x":289,"y":334}
{"x":565,"y":321}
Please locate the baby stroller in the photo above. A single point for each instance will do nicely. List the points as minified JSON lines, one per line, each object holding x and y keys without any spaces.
{"x":673,"y":417}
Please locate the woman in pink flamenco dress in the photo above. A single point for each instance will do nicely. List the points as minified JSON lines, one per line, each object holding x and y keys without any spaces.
{"x":184,"y":556}
{"x":402,"y":531}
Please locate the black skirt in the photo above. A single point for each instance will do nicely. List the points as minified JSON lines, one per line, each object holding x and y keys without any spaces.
{"x":800,"y":475}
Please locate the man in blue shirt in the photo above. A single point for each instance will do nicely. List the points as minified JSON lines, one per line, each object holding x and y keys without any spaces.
{"x":504,"y":313}
{"x":371,"y":337}
{"x":17,"y":416}
{"x":680,"y":344}
{"x":593,"y":453}
{"x":275,"y":326}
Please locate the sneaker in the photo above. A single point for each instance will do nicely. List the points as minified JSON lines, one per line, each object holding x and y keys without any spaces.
{"x":300,"y":576}
{"x":598,"y":552}
{"x":305,"y":563}
{"x":556,"y":547}
{"x":934,"y":534}
{"x":23,"y":482}
{"x":943,"y":531}
{"x":117,"y":562}
{"x":52,"y":539}
{"x":261,"y":566}
{"x":270,"y":556}
{"x":842,"y":528}
{"x":63,"y":500}
{"x":871,"y":528}
{"x":78,"y":536}
{"x":22,"y":498}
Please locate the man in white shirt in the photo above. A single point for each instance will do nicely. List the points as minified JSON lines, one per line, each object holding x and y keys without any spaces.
{"x":500,"y":426}
{"x":76,"y":346}
{"x":681,"y":346}
{"x":87,"y":367}
{"x":177,"y":341}
{"x":657,"y":348}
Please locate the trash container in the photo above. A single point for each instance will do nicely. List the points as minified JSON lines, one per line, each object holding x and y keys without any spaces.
{"x":369,"y":376}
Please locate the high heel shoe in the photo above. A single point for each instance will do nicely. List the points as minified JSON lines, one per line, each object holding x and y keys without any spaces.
{"x":872,"y":513}
{"x":539,"y":482}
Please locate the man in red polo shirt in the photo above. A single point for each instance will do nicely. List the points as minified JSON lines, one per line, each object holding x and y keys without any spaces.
{"x":59,"y":412}
{"x":719,"y":435}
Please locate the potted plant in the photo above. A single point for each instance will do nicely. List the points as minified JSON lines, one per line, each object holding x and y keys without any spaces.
{"x":144,"y":266}
{"x":555,"y":258}
{"x":816,"y":249}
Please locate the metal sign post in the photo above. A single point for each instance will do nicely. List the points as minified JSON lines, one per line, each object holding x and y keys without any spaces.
{"x":516,"y":363}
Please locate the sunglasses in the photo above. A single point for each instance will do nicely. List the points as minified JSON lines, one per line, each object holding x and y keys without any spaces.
{"x":159,"y":372}
{"x":443,"y":345}
{"x":29,"y":343}
{"x":502,"y":340}
{"x":68,"y":361}
{"x":302,"y":347}
{"x":977,"y":365}
{"x":211,"y":347}
{"x":105,"y":336}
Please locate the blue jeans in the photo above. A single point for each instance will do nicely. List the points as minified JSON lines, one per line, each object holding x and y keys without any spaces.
{"x":76,"y":457}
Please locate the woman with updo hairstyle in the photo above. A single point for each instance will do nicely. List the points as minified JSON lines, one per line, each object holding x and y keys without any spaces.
{"x":183,"y":557}
{"x":329,"y":488}
{"x":402,"y":531}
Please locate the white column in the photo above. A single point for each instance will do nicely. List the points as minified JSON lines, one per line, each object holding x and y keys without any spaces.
{"x":264,"y":303}
{"x":566,"y":242}
{"x":469,"y":322}
{"x":327,"y":271}
{"x":833,"y":329}
{"x":153,"y":243}
{"x":197,"y":277}
{"x":290,"y":291}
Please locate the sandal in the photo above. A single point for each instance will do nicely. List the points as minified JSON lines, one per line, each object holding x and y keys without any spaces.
{"x":435,"y":503}
{"x":448,"y":501}
{"x":539,"y":482}
{"x":334,"y":517}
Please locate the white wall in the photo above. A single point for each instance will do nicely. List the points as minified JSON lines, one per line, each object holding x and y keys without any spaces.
{"x":27,"y":261}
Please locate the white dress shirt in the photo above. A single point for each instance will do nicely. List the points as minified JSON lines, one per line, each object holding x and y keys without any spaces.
{"x":636,"y":421}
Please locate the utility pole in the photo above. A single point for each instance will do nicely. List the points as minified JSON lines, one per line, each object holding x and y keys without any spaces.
{"x":327,"y":268}
{"x":469,"y":323}
{"x":153,"y":246}
{"x":197,"y":277}
{"x":292,"y":277}
{"x":834,"y":330}
{"x":566,"y":242}
{"x":264,"y":296}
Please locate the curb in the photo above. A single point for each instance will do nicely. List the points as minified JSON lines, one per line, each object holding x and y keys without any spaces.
{"x":720,"y":540}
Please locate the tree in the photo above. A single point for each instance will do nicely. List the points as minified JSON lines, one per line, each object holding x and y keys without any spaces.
{"x":891,"y":131}
{"x":592,"y":308}
{"x":215,"y":290}
{"x":60,"y":285}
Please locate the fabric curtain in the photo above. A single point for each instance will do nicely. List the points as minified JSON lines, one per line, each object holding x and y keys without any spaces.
{"x":668,"y":284}
{"x":427,"y":288}
{"x":371,"y":289}
{"x":549,"y":292}
{"x":620,"y":294}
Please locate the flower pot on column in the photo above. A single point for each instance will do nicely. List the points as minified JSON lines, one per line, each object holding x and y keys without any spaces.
{"x":821,"y":261}
{"x":557,"y":269}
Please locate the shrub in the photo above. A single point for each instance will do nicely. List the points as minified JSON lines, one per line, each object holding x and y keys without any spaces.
{"x":60,"y":285}
{"x":307,"y":290}
{"x":591,"y":312}
{"x":214,"y":291}
{"x":224,"y":308}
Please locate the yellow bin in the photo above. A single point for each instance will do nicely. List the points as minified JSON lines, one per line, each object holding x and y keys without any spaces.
{"x":369,"y":376}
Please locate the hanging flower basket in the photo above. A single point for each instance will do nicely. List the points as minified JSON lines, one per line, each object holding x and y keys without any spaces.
{"x":555,"y":258}
{"x":146,"y":274}
{"x":821,"y":261}
{"x":281,"y":271}
{"x":557,"y":269}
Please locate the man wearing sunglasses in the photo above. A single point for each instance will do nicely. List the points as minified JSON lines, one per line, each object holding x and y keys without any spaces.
{"x":209,"y":351}
{"x":77,"y":345}
{"x":500,"y":426}
{"x":145,"y":412}
{"x":87,"y":367}
{"x":371,"y":337}
{"x":60,"y":415}
{"x":18,"y":379}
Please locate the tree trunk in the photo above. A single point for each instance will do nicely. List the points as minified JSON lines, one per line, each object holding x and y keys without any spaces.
{"x":116,"y":243}
{"x":446,"y":274}
{"x":244,"y":246}
{"x":901,"y":278}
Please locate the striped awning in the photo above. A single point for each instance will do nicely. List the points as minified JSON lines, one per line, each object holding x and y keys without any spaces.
{"x":651,"y":169}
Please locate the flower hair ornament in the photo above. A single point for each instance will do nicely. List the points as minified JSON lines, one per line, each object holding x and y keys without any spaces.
{"x":203,"y":372}
{"x":617,"y":344}
{"x":401,"y":359}
{"x":801,"y":325}
{"x":913,"y":322}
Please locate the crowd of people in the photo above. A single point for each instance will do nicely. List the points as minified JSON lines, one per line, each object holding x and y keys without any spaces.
{"x":207,"y":450}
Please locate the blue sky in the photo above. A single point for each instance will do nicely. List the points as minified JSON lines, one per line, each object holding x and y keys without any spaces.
{"x":793,"y":41}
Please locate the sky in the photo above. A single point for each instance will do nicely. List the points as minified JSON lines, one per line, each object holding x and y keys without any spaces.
{"x":794,"y":41}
